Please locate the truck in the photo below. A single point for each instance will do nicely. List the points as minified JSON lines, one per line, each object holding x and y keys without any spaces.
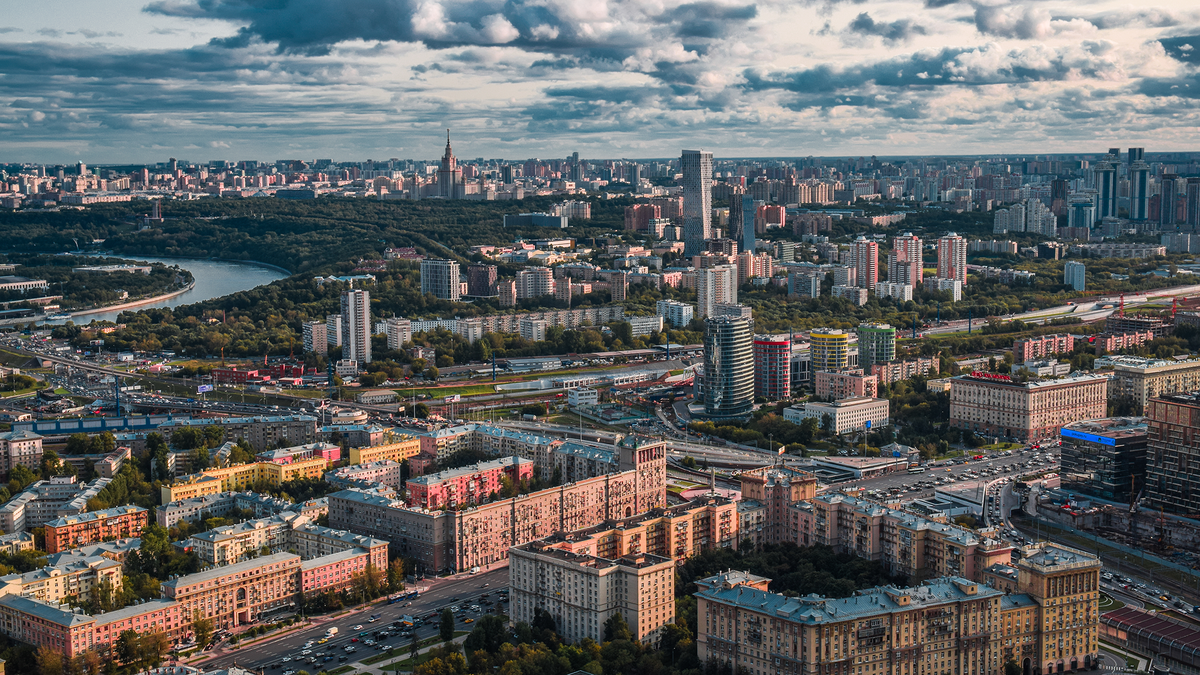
{"x":331,"y":632}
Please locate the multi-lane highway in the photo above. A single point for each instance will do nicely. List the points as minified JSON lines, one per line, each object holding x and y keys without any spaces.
{"x":269,"y":654}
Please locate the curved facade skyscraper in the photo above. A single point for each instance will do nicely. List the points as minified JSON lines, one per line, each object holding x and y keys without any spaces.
{"x":728,"y":368}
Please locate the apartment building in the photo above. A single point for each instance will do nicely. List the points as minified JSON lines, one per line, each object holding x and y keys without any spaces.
{"x":582,"y":592}
{"x":219,"y":505}
{"x":474,"y":484}
{"x":847,"y":383}
{"x":384,"y":472}
{"x":492,"y":440}
{"x":680,"y":531}
{"x":20,"y":448}
{"x":765,"y":511}
{"x":241,"y":477}
{"x":397,"y":449}
{"x":95,"y":526}
{"x":298,"y":453}
{"x":481,"y":535}
{"x":946,"y":625}
{"x":46,"y":500}
{"x":1031,"y":348}
{"x":1136,"y":380}
{"x":260,"y":432}
{"x":997,"y":405}
{"x":290,"y":531}
{"x":73,"y":579}
{"x":678,"y":314}
{"x":857,"y":413}
{"x":906,"y":544}
{"x":231,"y":595}
{"x":895,"y":371}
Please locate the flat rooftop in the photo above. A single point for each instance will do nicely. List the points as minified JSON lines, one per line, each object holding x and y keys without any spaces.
{"x":1116,"y":428}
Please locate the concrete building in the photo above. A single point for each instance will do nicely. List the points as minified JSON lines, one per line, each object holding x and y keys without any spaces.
{"x":92,"y":527}
{"x":996,"y":405}
{"x":830,"y":349}
{"x":333,"y":330}
{"x":533,"y":330}
{"x":773,"y":367}
{"x":678,"y":314}
{"x":481,"y":280}
{"x":1031,"y":348}
{"x":857,"y":296}
{"x":398,"y":331}
{"x":260,"y":432}
{"x":952,"y":258}
{"x":577,"y":396}
{"x":847,"y":383}
{"x":645,"y":325}
{"x":728,"y":385}
{"x":290,"y":531}
{"x":865,"y":255}
{"x":876,"y":344}
{"x":1074,"y":275}
{"x":44,"y":501}
{"x":20,"y":448}
{"x":1104,"y":458}
{"x":535,"y":282}
{"x":715,"y":286}
{"x":356,"y":326}
{"x":860,"y":413}
{"x":316,"y":337}
{"x":219,"y":505}
{"x":384,"y":472}
{"x":241,"y":477}
{"x":70,"y":579}
{"x":1136,"y":380}
{"x":582,"y":592}
{"x":481,"y":535}
{"x":905,"y":263}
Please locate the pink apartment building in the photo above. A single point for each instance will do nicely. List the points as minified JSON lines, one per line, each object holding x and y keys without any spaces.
{"x":467,"y":485}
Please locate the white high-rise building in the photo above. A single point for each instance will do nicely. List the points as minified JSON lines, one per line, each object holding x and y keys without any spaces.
{"x":715,"y":286}
{"x":333,"y":330}
{"x":1074,"y":275}
{"x":399,"y":331}
{"x":905,"y":265}
{"x":1030,"y":215}
{"x":697,"y":166}
{"x":356,"y":326}
{"x":536,"y":282}
{"x":952,"y":258}
{"x":441,"y":278}
{"x":866,"y":260}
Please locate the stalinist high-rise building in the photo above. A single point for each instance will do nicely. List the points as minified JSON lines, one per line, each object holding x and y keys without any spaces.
{"x":449,"y":177}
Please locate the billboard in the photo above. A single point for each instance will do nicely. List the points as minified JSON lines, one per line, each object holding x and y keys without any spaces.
{"x":204,"y":388}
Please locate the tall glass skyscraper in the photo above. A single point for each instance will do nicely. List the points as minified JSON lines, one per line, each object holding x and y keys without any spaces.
{"x":728,"y":368}
{"x":697,"y":166}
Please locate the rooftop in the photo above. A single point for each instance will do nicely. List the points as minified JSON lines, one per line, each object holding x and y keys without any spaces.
{"x":46,"y":611}
{"x":1046,"y":556}
{"x":451,"y":474}
{"x":813,"y":609}
{"x":546,"y":548}
{"x":229,"y":570}
{"x":95,"y":515}
{"x":1108,"y":427}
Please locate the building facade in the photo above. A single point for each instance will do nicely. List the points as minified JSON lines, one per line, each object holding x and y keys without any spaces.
{"x":848,"y":383}
{"x":997,"y":405}
{"x":475,"y":484}
{"x":830,"y":349}
{"x":95,"y":526}
{"x":772,"y":367}
{"x":876,"y":344}
{"x":697,"y":168}
{"x":582,"y":592}
{"x":728,"y":384}
{"x":860,"y":413}
{"x":1172,"y":456}
{"x":1104,"y":458}
{"x":952,"y":258}
{"x":356,"y":326}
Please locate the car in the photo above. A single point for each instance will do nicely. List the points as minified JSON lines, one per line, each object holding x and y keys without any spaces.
{"x":468,"y":620}
{"x":358,"y":627}
{"x":322,"y":641}
{"x":341,"y":659}
{"x":372,"y":620}
{"x":306,"y":652}
{"x":287,"y":659}
{"x":353,"y":640}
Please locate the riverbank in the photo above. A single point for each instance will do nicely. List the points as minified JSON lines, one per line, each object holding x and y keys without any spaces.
{"x":137,"y":303}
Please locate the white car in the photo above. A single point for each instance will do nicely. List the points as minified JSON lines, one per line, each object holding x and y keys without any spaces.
{"x":358,"y":627}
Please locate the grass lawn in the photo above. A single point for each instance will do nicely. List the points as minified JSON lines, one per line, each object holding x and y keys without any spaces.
{"x":6,"y":394}
{"x":340,"y":669}
{"x":1108,"y":603}
{"x":436,"y":393}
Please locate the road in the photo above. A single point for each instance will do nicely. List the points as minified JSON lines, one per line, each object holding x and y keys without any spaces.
{"x":270,"y":652}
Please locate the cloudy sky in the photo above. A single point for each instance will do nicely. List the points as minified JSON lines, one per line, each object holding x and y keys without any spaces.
{"x":138,"y":80}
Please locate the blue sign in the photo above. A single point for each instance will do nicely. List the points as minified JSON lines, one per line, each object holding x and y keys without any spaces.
{"x":1093,"y":438}
{"x":868,"y":424}
{"x":203,"y":388}
{"x":895,"y":453}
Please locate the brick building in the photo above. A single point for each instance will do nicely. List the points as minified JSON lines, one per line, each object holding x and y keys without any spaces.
{"x":473,"y":484}
{"x":95,"y":526}
{"x":1032,"y":348}
{"x":845,"y":383}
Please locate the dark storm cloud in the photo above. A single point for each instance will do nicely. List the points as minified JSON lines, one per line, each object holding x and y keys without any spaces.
{"x":895,"y":31}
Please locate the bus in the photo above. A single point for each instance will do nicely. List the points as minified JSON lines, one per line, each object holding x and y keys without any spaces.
{"x":916,"y":469}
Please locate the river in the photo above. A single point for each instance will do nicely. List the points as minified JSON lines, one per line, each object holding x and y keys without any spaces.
{"x":214,"y":278}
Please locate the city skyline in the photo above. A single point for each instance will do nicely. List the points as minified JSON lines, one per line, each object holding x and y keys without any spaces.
{"x":132,"y":81}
